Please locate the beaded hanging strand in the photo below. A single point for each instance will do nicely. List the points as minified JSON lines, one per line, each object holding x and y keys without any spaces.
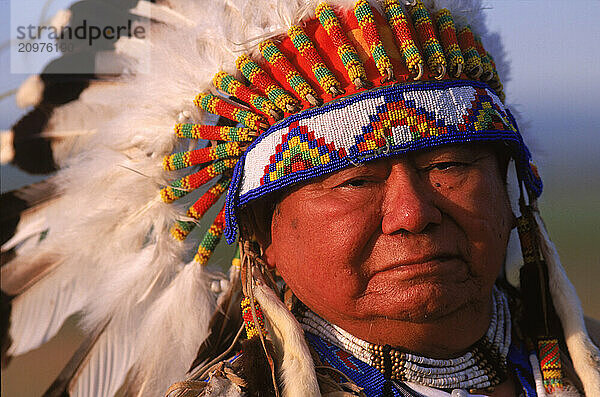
{"x":186,"y":184}
{"x":181,"y":229}
{"x":466,"y":40}
{"x":486,"y":62}
{"x":307,"y":50}
{"x":366,"y":21}
{"x":447,"y":32}
{"x":227,"y":83}
{"x":215,"y":133}
{"x":399,"y":24}
{"x":430,"y":44}
{"x":249,"y":323}
{"x":495,"y":82}
{"x":266,"y":84}
{"x":177,"y":161}
{"x":211,"y":239}
{"x":275,"y":57}
{"x":215,"y":105}
{"x":345,"y":49}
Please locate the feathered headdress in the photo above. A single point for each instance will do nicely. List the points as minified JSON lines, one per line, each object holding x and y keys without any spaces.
{"x":260,"y":95}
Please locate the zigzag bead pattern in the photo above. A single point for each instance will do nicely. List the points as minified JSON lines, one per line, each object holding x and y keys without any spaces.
{"x":550,"y":364}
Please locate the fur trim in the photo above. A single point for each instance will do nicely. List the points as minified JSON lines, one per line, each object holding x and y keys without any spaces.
{"x":297,"y":369}
{"x":568,"y":391}
{"x":255,"y":368}
{"x":585,"y":355}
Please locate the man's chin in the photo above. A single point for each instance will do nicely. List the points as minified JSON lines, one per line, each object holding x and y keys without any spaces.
{"x":424,"y":303}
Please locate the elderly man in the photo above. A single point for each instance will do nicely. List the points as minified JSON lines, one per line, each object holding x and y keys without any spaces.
{"x":364,"y":148}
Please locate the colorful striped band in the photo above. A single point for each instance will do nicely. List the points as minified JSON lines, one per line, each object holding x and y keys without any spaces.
{"x":377,"y":123}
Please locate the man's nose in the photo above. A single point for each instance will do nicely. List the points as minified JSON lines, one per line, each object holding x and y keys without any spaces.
{"x":409,"y":202}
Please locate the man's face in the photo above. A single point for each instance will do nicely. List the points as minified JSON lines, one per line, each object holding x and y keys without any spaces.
{"x":413,"y":238}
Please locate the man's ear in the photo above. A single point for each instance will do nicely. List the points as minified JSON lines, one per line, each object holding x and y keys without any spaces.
{"x":256,"y":224}
{"x":269,"y":256}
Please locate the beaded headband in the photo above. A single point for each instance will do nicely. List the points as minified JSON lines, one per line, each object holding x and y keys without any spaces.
{"x":342,"y":88}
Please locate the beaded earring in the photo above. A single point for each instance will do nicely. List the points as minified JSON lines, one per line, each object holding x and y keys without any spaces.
{"x":542,"y":325}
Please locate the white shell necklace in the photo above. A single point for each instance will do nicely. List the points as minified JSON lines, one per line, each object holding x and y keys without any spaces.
{"x":482,"y":367}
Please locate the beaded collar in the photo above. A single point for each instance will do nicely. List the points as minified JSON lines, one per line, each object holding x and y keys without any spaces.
{"x":482,"y":367}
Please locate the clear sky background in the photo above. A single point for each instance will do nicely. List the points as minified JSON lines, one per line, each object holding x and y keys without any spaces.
{"x":554,"y":47}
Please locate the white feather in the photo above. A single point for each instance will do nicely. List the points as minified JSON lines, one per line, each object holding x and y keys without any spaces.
{"x":583,"y":352}
{"x":38,"y":314}
{"x":108,"y":364}
{"x":30,"y":225}
{"x":160,"y":13}
{"x":173,"y":330}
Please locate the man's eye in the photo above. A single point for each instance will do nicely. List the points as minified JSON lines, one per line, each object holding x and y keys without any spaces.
{"x":445,"y":165}
{"x":359,"y":182}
